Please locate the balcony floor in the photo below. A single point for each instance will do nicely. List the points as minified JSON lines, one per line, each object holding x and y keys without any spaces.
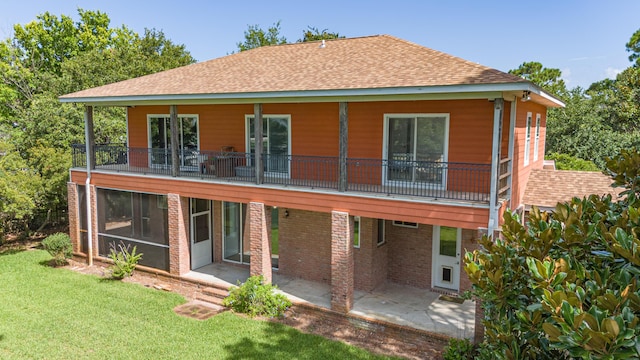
{"x":387,"y":191}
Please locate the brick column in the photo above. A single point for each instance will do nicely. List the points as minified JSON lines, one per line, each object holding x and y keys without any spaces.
{"x":179,"y":257}
{"x":478,"y":331}
{"x":260,"y":247}
{"x":74,"y":223}
{"x":92,"y":192}
{"x":341,"y":262}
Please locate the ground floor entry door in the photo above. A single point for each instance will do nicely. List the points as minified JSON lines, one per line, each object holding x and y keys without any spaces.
{"x":201,"y":233}
{"x":446,"y":257}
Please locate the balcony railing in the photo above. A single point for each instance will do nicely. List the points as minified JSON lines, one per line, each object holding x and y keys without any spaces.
{"x":421,"y":179}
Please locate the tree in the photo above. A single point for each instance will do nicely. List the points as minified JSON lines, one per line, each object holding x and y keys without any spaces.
{"x":50,"y":57}
{"x":566,"y":285}
{"x":255,"y":37}
{"x":313,"y":34}
{"x":633,"y":46}
{"x":549,"y":79}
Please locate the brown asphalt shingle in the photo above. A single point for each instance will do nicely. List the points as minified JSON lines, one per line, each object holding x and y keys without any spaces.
{"x":547,"y":187}
{"x":371,"y":62}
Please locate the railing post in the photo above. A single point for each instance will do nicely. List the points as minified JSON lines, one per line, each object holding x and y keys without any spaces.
{"x":344,"y":145}
{"x":257,"y":130}
{"x":175,"y":145}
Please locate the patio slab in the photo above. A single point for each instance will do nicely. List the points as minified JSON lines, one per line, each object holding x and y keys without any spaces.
{"x":398,"y":304}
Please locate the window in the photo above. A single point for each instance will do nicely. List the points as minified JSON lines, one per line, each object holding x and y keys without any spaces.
{"x":415,"y":147}
{"x":381,"y":235}
{"x":135,"y":219}
{"x":160,"y":140}
{"x":356,"y":231}
{"x":405,"y":224}
{"x":527,"y":140}
{"x":536,"y":142}
{"x":275,"y":237}
{"x":275,"y":141}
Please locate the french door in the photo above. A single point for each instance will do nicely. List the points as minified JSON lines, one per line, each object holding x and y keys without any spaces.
{"x":160,"y":140}
{"x":275,"y":142}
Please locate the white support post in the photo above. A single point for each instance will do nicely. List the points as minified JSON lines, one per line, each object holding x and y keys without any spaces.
{"x":498,"y":105}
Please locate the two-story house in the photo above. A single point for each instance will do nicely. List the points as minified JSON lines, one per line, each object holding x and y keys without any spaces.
{"x":349,"y":162}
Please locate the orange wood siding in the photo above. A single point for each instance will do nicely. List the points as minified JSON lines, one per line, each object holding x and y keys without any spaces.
{"x":383,"y":208}
{"x":520,"y":171}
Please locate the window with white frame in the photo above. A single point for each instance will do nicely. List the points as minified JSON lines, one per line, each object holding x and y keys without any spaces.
{"x":356,"y":231}
{"x":160,"y":139}
{"x":527,"y":140}
{"x":536,"y":141}
{"x":415,"y":145}
{"x":405,"y":224}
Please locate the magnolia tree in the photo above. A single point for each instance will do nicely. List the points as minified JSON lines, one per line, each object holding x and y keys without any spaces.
{"x":566,"y":284}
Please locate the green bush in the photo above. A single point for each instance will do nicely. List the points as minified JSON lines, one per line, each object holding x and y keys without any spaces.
{"x":124,"y":261}
{"x":254,"y":298}
{"x":458,"y":349}
{"x":59,"y":246}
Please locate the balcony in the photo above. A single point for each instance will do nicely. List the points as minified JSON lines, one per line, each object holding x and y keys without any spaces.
{"x":401,"y":176}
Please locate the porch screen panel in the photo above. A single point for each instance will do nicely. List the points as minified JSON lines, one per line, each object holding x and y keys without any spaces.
{"x":134,"y":219}
{"x":82,"y":218}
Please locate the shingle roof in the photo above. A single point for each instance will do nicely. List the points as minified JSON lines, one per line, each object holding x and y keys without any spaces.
{"x":546,"y":187}
{"x":372,"y":62}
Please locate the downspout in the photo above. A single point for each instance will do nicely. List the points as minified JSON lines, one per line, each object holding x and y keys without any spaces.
{"x":498,"y":105}
{"x":88,"y":135}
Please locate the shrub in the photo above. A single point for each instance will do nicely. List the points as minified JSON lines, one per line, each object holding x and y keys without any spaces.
{"x":254,"y":297}
{"x":124,"y":261}
{"x":458,"y":349}
{"x":59,"y":246}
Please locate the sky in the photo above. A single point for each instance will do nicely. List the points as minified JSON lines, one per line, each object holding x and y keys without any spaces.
{"x":584,"y":39}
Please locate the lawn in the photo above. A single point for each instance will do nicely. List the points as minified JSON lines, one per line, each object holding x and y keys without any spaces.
{"x":60,"y":314}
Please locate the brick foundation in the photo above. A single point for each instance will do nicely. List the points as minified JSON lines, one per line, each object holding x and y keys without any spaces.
{"x":259,"y":238}
{"x":341,"y":263}
{"x":178,"y":218}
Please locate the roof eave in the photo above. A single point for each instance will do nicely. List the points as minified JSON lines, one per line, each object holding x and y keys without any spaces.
{"x":464,"y":91}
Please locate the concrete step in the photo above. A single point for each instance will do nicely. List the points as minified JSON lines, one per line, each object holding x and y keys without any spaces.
{"x":209,"y":299}
{"x":215,"y":292}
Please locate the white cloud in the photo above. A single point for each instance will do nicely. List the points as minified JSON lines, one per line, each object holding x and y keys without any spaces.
{"x":611,"y":73}
{"x":566,"y":76}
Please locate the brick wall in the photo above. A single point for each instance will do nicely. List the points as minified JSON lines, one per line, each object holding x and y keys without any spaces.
{"x":370,"y":259}
{"x":341,"y":262}
{"x":305,"y":245}
{"x":217,"y":231}
{"x":409,"y":254}
{"x":469,"y":243}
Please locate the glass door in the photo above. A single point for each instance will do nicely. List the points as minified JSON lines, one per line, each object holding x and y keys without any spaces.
{"x":160,"y":141}
{"x":446,"y":257}
{"x":234,"y":247}
{"x":275,"y":142}
{"x":201,"y":234}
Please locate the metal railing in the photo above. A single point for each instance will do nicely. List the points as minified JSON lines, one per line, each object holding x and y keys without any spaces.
{"x":423,"y":179}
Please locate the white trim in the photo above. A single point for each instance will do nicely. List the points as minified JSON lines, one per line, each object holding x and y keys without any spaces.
{"x":536,"y":141}
{"x":464,"y":91}
{"x":415,"y":116}
{"x":527,"y":139}
{"x":247,"y":129}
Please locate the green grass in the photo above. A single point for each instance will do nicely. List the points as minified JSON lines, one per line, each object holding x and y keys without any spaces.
{"x":60,"y":314}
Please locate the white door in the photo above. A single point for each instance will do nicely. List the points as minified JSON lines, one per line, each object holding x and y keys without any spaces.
{"x":446,"y":257}
{"x":201,"y":247}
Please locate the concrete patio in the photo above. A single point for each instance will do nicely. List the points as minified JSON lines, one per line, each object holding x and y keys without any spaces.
{"x":403,"y":305}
